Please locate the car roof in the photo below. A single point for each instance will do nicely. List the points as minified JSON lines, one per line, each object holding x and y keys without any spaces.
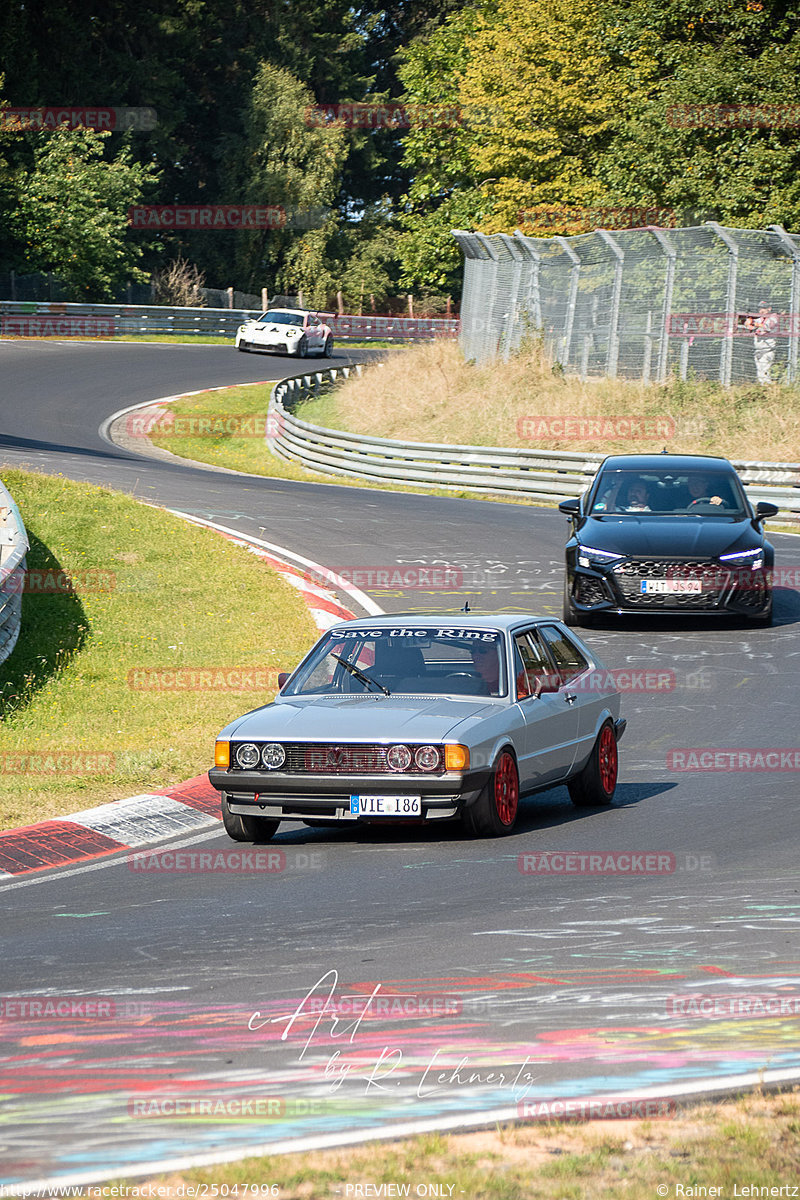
{"x":668,"y":462}
{"x":501,"y":621}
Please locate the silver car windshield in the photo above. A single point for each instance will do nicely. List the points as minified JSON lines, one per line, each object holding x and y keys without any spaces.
{"x":281,"y":318}
{"x":674,"y":494}
{"x":435,"y":661}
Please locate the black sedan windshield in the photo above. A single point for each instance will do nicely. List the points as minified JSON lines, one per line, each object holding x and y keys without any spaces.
{"x":690,"y":493}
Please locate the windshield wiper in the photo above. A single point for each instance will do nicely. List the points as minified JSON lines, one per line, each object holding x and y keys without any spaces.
{"x":359,"y":674}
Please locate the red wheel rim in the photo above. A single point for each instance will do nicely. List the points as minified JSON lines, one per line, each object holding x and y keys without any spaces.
{"x":607,"y":759}
{"x":506,"y":789}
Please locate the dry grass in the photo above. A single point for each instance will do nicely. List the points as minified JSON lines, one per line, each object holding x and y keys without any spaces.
{"x":430,"y":394}
{"x":750,"y":1142}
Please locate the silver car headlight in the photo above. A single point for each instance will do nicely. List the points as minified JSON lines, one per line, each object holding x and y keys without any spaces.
{"x":427,"y":758}
{"x":273,"y":756}
{"x":398,"y":758}
{"x":247,"y":755}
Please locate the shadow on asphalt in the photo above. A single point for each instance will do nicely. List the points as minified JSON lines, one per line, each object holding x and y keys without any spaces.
{"x":547,"y":810}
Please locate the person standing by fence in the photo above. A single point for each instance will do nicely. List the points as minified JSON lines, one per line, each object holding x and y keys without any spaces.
{"x":764,"y":328}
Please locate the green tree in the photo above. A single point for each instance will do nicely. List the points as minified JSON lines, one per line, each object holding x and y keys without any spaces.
{"x":72,"y":209}
{"x":719,"y":55}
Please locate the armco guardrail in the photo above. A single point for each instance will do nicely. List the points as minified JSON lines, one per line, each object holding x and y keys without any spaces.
{"x":547,"y":475}
{"x":13,"y":548}
{"x":31,"y":319}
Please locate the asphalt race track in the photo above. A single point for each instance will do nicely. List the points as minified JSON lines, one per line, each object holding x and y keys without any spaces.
{"x":504,"y":989}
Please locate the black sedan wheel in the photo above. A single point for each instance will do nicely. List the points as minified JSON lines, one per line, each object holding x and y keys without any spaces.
{"x":494,"y":813}
{"x":247,"y":829}
{"x":595,"y":785}
{"x":571,"y":617}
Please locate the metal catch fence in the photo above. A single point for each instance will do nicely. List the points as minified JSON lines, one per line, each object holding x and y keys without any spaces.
{"x":639,"y":303}
{"x":544,"y":475}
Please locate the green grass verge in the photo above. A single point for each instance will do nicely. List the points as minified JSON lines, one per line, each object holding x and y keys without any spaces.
{"x":150,"y":593}
{"x":748,"y":1143}
{"x":250,"y":454}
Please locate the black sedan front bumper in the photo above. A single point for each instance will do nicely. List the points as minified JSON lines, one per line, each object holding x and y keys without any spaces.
{"x":624,"y":588}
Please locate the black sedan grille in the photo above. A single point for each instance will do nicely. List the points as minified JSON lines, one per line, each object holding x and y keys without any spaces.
{"x":590,"y":591}
{"x":629,"y":577}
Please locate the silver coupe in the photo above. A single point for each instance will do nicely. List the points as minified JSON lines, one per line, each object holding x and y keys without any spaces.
{"x":424,"y":718}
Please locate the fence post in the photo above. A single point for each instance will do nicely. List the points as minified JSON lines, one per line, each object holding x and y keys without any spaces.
{"x":264,"y":299}
{"x":532,"y":304}
{"x":669,"y":284}
{"x":491,"y":339}
{"x":229,"y":294}
{"x":613,"y":333}
{"x":794,"y":300}
{"x":726,"y":352}
{"x":509,"y":334}
{"x":562,"y":356}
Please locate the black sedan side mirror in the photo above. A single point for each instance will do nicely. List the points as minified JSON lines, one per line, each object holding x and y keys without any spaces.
{"x":282,"y":677}
{"x":764,"y":509}
{"x":570,"y":508}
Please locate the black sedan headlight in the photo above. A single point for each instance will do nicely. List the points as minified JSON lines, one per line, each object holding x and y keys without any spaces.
{"x":597,"y":560}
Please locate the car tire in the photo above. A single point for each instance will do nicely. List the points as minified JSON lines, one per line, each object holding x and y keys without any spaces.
{"x":302,"y":347}
{"x":494,"y":813}
{"x":327,"y":348}
{"x":594,"y":786}
{"x":571,"y":617}
{"x":763,"y":621}
{"x":247,"y":829}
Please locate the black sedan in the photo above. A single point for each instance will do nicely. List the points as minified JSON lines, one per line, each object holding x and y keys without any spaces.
{"x":667,"y":533}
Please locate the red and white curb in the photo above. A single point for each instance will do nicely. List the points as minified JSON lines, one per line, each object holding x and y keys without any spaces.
{"x":186,"y":807}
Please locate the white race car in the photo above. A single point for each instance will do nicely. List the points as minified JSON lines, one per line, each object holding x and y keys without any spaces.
{"x":292,"y":331}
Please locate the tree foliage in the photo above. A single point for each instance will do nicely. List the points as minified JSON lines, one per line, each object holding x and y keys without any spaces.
{"x":71,"y":212}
